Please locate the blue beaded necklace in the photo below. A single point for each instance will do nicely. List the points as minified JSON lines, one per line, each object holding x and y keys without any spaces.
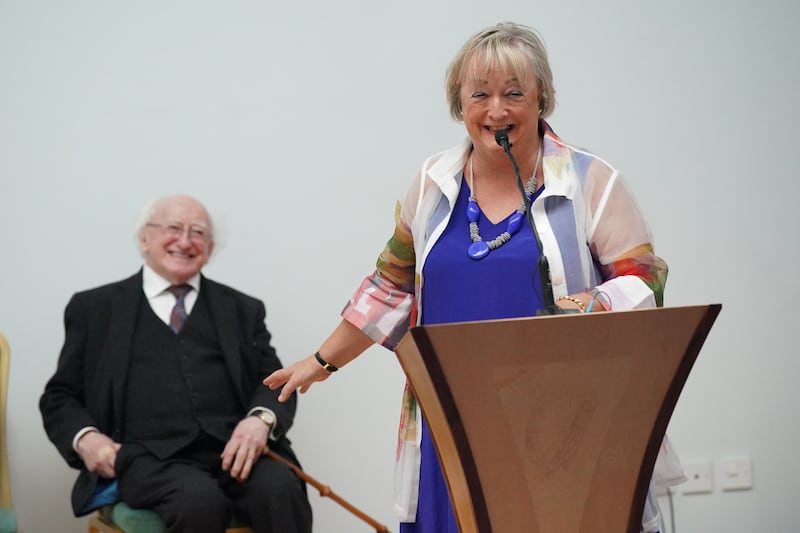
{"x":480,"y":248}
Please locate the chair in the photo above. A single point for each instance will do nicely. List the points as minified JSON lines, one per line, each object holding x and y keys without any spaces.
{"x":8,"y":518}
{"x":119,"y":518}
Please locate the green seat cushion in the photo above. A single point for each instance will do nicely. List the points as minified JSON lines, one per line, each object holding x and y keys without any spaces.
{"x":138,"y":520}
{"x":8,"y":520}
{"x":133,"y":520}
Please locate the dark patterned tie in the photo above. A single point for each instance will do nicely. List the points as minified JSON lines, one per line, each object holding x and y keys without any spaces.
{"x":178,"y":315}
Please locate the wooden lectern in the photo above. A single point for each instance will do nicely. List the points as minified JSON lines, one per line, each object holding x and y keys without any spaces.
{"x":553,"y":424}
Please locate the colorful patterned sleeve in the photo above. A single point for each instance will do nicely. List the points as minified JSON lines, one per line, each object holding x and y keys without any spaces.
{"x":634,"y":277}
{"x":384,"y":305}
{"x":643,"y":264}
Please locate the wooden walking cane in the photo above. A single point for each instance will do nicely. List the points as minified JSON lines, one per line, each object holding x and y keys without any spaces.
{"x":325,"y":490}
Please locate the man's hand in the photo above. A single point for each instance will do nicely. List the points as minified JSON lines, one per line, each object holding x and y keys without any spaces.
{"x":98,"y":452}
{"x":247,"y":444}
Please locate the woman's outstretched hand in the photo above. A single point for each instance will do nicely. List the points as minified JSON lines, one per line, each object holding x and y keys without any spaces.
{"x":299,"y":375}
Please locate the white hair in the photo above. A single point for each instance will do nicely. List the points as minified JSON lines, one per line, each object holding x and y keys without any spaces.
{"x":151,"y":208}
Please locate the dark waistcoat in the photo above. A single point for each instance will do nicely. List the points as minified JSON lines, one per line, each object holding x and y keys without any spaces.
{"x":178,"y":385}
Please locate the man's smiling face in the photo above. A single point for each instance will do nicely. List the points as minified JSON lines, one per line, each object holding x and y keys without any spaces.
{"x":176,"y":241}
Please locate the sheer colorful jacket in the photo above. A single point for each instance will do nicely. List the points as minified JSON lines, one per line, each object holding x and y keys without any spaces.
{"x":592,"y":231}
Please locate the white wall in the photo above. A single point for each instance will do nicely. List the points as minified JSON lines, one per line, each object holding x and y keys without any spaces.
{"x":300,"y":123}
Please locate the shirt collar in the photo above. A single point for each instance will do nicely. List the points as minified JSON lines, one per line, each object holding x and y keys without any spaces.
{"x":153,"y":284}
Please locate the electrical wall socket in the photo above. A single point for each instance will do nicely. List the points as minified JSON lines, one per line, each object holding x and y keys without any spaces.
{"x":700,"y":478}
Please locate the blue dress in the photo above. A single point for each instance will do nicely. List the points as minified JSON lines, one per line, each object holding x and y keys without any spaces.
{"x":504,"y":284}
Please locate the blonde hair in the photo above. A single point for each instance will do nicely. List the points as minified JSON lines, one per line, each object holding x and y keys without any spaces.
{"x":514,"y":48}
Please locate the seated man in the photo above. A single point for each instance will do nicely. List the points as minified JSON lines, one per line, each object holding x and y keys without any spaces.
{"x":158,"y":387}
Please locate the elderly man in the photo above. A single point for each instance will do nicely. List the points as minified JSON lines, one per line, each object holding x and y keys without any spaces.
{"x":158,"y":387}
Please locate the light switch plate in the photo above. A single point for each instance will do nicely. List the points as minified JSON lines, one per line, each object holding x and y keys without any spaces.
{"x":735,"y":473}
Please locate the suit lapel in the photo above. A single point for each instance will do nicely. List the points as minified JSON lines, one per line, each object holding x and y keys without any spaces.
{"x":222,"y":309}
{"x":124,"y":308}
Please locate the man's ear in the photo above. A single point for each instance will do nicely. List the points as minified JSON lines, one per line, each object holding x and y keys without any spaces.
{"x":144,"y":244}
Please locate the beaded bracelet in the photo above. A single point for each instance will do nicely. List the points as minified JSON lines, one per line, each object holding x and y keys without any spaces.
{"x":326,"y":365}
{"x":575,"y":301}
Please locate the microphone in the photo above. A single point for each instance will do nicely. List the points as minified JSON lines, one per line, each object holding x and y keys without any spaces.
{"x":501,"y":137}
{"x":543,"y":266}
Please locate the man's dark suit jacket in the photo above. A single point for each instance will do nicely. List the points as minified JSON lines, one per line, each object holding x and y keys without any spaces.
{"x":88,"y":385}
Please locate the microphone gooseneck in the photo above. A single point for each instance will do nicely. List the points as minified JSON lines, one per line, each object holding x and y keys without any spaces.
{"x":501,"y":138}
{"x":542,"y":265}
